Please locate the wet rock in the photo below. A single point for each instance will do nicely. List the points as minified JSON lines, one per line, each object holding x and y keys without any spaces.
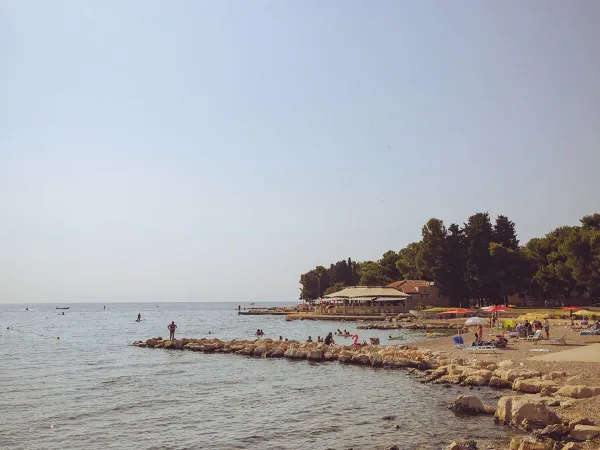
{"x":556,"y":431}
{"x":388,"y":418}
{"x":315,"y":355}
{"x":462,"y":445}
{"x":578,"y":391}
{"x":424,"y":365}
{"x":328,"y":356}
{"x":585,"y":432}
{"x":469,"y":404}
{"x":475,"y":380}
{"x":361,"y":359}
{"x":499,"y":383}
{"x":515,"y":410}
{"x":376,"y":360}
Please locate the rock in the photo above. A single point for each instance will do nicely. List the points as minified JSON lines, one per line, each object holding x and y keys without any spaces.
{"x":314,"y":355}
{"x":505,"y":363}
{"x":573,"y":380}
{"x":581,"y":421}
{"x":328,"y":356}
{"x":475,"y":380}
{"x":468,"y":404}
{"x":585,"y":432}
{"x":361,"y":358}
{"x":258,"y":351}
{"x":499,"y":383}
{"x":556,"y":431}
{"x":567,"y":403}
{"x":388,"y":418}
{"x":425,"y":365}
{"x":571,"y":446}
{"x":513,"y":374}
{"x":515,"y":410}
{"x":578,"y":391}
{"x":376,"y":360}
{"x":393,"y":447}
{"x":465,"y":445}
{"x":275,"y":352}
{"x":534,"y":386}
{"x":452,"y":379}
{"x":529,"y":443}
{"x":556,"y":375}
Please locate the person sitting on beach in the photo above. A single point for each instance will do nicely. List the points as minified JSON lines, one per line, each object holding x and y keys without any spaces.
{"x":595,"y":325}
{"x":329,"y":339}
{"x":584,"y":321}
{"x":309,"y":339}
{"x":280,"y":338}
{"x":319,"y":339}
{"x":286,"y":339}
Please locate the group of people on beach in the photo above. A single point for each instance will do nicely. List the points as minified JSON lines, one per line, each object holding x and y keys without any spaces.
{"x":260,"y":332}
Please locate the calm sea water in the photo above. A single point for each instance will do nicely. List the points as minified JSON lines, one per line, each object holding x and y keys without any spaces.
{"x":91,"y":389}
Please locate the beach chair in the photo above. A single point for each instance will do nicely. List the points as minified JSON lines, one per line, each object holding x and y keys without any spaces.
{"x":561,"y":340}
{"x":478,"y":348}
{"x":589,"y":332}
{"x":534,"y":337}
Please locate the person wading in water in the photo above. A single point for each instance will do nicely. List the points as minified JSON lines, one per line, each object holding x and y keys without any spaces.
{"x":171,"y":328}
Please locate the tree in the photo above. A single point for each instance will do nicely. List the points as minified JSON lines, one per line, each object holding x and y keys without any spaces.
{"x":591,"y":222}
{"x":335,"y":288}
{"x":512,"y":271}
{"x":389,"y":269}
{"x":371,"y":274}
{"x":410,"y":262}
{"x":478,"y":236}
{"x":505,"y":234}
{"x":432,"y":247}
{"x":449,"y":275}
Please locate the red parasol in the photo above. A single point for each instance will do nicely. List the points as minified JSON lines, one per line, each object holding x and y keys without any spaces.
{"x":571,"y":308}
{"x":458,"y":311}
{"x":496,"y":308}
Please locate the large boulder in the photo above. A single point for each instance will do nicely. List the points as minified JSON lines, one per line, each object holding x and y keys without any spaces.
{"x":525,"y":412}
{"x":512,"y":374}
{"x":556,"y":431}
{"x":276,"y":352}
{"x":361,"y":358}
{"x":578,"y":391}
{"x":468,"y":404}
{"x":345,"y":356}
{"x":258,"y":351}
{"x":534,"y":385}
{"x":585,"y":432}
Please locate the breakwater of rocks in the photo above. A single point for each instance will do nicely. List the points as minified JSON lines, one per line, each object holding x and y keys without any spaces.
{"x":411,"y":326}
{"x":533,"y":405}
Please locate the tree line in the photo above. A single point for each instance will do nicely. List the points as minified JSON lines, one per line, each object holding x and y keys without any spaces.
{"x":477,"y":262}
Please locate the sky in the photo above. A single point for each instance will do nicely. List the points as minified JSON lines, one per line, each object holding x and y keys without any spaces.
{"x":215,"y":150}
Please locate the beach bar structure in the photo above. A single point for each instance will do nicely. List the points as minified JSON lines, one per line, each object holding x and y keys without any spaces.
{"x":361,"y":300}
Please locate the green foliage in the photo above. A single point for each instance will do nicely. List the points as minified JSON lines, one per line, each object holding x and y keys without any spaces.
{"x":335,"y":288}
{"x":477,"y":262}
{"x":371,"y":274}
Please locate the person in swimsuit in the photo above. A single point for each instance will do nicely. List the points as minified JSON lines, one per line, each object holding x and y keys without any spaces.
{"x":172,"y":328}
{"x":139,"y":317}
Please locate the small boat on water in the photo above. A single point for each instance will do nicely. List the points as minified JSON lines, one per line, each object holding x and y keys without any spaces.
{"x":66,"y":307}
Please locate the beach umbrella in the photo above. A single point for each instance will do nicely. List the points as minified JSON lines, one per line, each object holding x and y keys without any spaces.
{"x":496,"y":308}
{"x":476,"y":321}
{"x":570,"y":308}
{"x":458,"y":311}
{"x":583,"y":312}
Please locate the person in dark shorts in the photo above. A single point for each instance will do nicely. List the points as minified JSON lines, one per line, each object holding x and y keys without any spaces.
{"x":172,"y":328}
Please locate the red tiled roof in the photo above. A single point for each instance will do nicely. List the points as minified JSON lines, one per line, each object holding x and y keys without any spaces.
{"x":409,"y":286}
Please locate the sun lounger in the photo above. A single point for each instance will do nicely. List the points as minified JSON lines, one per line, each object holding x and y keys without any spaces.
{"x":478,"y":348}
{"x":561,"y":340}
{"x":589,"y":332}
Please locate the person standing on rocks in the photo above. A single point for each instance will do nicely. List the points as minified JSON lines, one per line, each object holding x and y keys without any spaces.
{"x":329,"y":339}
{"x":172,"y":328}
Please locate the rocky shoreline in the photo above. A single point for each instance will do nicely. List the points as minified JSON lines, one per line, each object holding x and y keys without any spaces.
{"x":534,"y":405}
{"x":409,"y":325}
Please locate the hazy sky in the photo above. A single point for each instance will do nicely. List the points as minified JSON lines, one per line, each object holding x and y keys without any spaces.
{"x":196,"y":150}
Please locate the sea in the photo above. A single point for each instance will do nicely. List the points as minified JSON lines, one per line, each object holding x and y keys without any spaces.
{"x":74,"y":381}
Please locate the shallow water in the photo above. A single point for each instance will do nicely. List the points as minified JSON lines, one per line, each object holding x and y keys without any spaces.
{"x":92,"y":389}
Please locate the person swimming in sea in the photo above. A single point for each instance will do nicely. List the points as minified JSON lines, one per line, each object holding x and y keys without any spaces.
{"x":139,"y":319}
